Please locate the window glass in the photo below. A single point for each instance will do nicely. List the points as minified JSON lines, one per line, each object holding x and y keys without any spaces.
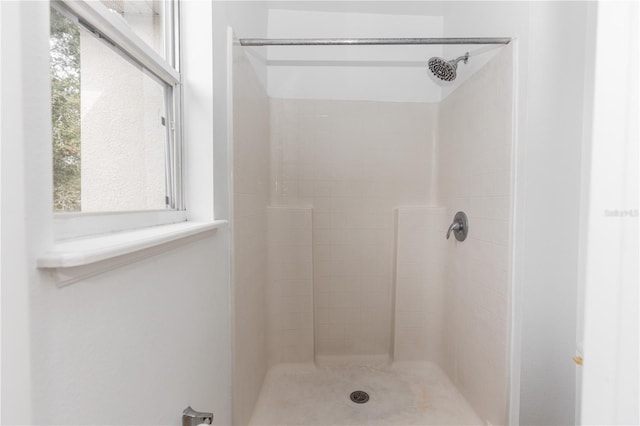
{"x":144,"y":17}
{"x":109,"y":126}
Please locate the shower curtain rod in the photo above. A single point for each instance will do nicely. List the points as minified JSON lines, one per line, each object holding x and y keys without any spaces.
{"x":368,"y":41}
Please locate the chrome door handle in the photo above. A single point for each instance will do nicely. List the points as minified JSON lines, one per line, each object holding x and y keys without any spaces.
{"x":459,"y":227}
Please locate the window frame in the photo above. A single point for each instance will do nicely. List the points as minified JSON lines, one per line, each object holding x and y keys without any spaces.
{"x":97,"y":18}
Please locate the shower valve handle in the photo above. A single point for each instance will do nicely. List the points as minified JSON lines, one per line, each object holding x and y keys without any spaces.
{"x":459,"y":227}
{"x":454,"y":227}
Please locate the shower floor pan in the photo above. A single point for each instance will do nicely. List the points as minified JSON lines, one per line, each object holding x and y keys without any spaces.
{"x":399,"y":394}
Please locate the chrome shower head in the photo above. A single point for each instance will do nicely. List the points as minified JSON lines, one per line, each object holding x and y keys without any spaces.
{"x":446,"y":70}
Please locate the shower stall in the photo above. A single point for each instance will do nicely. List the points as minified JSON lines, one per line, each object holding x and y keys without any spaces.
{"x":348,"y":170}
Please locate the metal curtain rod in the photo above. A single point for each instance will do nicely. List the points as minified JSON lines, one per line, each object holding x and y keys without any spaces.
{"x":368,"y":41}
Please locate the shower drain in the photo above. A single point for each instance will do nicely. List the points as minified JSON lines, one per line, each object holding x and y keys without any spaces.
{"x":359,"y":397}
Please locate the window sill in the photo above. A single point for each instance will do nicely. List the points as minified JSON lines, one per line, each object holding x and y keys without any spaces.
{"x":70,"y":261}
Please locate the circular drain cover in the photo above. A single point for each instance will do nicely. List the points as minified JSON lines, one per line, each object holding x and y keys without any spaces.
{"x":359,"y":397}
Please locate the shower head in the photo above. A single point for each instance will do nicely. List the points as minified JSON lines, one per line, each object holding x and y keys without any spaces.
{"x":446,"y":70}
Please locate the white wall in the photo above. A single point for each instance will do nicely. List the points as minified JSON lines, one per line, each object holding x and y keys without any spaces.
{"x":250,"y":200}
{"x":548,"y":216}
{"x":16,"y":338}
{"x":1,"y":135}
{"x":610,"y":260}
{"x":371,"y":73}
{"x":136,"y":345}
{"x":247,"y":19}
{"x":547,"y":206}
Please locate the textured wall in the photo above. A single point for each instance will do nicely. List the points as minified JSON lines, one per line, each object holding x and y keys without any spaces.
{"x":475,"y":144}
{"x":123,"y":142}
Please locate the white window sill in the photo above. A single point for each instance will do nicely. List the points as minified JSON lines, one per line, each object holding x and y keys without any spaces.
{"x":70,"y":261}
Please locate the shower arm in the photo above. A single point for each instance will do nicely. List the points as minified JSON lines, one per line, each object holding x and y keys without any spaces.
{"x":464,"y":58}
{"x":370,"y":41}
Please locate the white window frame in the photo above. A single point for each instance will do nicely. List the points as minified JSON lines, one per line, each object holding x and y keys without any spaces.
{"x":104,"y":24}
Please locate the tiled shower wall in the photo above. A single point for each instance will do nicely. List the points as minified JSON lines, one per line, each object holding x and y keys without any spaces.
{"x":420,"y":284}
{"x":290,"y":294}
{"x":475,"y":146}
{"x":353,"y":162}
{"x":249,"y":221}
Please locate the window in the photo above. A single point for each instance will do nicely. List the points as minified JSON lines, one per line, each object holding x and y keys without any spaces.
{"x":115,"y":107}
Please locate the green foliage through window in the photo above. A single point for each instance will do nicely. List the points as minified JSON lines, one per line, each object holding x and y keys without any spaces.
{"x":64,"y":47}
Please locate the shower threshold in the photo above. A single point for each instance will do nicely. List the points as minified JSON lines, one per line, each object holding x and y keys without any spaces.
{"x":399,"y":394}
